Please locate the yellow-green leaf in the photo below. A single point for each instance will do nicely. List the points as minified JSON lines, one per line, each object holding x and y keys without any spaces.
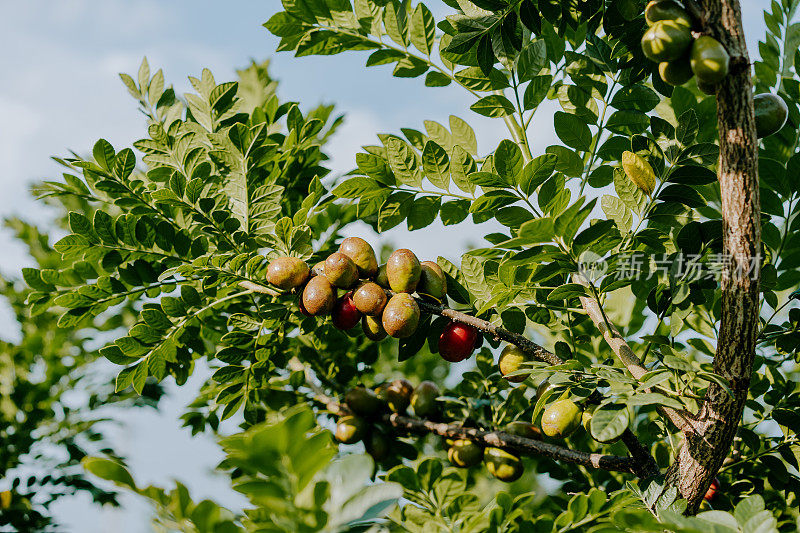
{"x":639,"y":171}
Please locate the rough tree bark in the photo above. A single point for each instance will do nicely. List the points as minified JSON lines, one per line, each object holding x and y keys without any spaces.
{"x":708,"y":441}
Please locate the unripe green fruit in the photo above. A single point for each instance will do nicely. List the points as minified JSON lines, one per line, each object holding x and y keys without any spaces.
{"x":710,"y":61}
{"x":373,"y":328}
{"x":666,"y":40}
{"x":503,"y":465}
{"x":676,"y":72}
{"x":340,"y":270}
{"x":397,"y":395}
{"x":319,"y":296}
{"x":362,"y":254}
{"x":771,"y":114}
{"x":424,"y":399}
{"x":381,"y":278}
{"x":561,"y":418}
{"x":666,"y":10}
{"x":351,"y":429}
{"x":401,"y":316}
{"x":363,"y":401}
{"x":586,"y":419}
{"x":543,"y":387}
{"x":511,"y":359}
{"x":523,"y":429}
{"x":370,"y":298}
{"x":432,"y":280}
{"x":403,"y":271}
{"x":707,"y":88}
{"x":287,"y":272}
{"x":464,"y":453}
{"x":378,"y":445}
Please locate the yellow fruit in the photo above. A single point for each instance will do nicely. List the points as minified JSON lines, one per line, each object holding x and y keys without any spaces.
{"x":709,"y":60}
{"x":373,"y":328}
{"x":350,"y":429}
{"x":403,"y":271}
{"x":465,"y":453}
{"x":561,"y":418}
{"x":503,"y":465}
{"x":512,"y":359}
{"x":401,"y":316}
{"x":362,"y":254}
{"x":666,"y":40}
{"x":340,"y":270}
{"x":287,"y":272}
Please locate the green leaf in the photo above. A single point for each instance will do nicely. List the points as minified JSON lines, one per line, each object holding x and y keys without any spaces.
{"x":532,"y":59}
{"x":573,"y":131}
{"x":109,"y":470}
{"x":494,"y":105}
{"x":508,"y":161}
{"x":403,"y":162}
{"x":454,"y":212}
{"x":536,"y":172}
{"x":103,"y":154}
{"x":536,"y":91}
{"x":423,"y":212}
{"x":71,"y":244}
{"x":437,"y":79}
{"x":124,"y":163}
{"x":463,"y":135}
{"x":436,"y":164}
{"x":423,"y":29}
{"x":537,"y":231}
{"x":609,"y":422}
{"x":615,"y":209}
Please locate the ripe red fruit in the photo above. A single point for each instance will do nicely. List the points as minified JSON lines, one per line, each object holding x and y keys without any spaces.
{"x":457,"y":342}
{"x":712,"y":490}
{"x":345,"y":315}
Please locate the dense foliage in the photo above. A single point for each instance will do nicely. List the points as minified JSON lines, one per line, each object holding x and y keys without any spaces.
{"x":230,"y":178}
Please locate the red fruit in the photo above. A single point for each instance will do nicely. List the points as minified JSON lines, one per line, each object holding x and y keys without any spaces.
{"x":345,"y":315}
{"x":712,"y":490}
{"x":457,"y":342}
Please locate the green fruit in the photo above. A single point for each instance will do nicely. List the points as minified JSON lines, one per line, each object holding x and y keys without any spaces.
{"x":363,"y":401}
{"x":403,"y":271}
{"x":709,"y":60}
{"x":543,"y":387}
{"x":523,"y":429}
{"x":707,"y":88}
{"x":586,"y":418}
{"x":503,"y":465}
{"x":350,"y":429}
{"x":464,"y":453}
{"x":432,"y":280}
{"x":370,"y":298}
{"x":401,"y":316}
{"x":287,"y":272}
{"x":340,"y":270}
{"x":666,"y":10}
{"x":561,"y":418}
{"x":381,"y":278}
{"x":511,"y":359}
{"x":398,"y":395}
{"x":666,"y":40}
{"x":378,"y":445}
{"x":676,"y":72}
{"x":319,"y":296}
{"x":771,"y":114}
{"x":373,"y":328}
{"x":424,"y":399}
{"x":362,"y":254}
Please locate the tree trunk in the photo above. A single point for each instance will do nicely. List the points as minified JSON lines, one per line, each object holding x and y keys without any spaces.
{"x":709,"y":441}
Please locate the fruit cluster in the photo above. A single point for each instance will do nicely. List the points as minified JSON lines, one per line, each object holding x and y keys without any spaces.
{"x":354,"y":269}
{"x":669,"y":42}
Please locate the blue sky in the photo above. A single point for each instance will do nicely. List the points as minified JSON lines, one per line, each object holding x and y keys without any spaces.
{"x":60,"y":91}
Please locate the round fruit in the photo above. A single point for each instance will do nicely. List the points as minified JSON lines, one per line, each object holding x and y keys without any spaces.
{"x":318,"y":269}
{"x":378,"y":445}
{"x":432,"y":280}
{"x":345,"y":315}
{"x":523,"y":429}
{"x":302,"y":306}
{"x":457,"y":342}
{"x":511,"y":359}
{"x":543,"y":387}
{"x":362,"y":254}
{"x":373,"y":328}
{"x":350,"y":429}
{"x":370,"y":298}
{"x":464,"y":453}
{"x":363,"y":401}
{"x":503,"y":465}
{"x":561,"y":418}
{"x":709,"y":60}
{"x":586,"y":419}
{"x":398,"y":395}
{"x":771,"y":114}
{"x":676,"y":72}
{"x":340,"y":270}
{"x":424,"y":399}
{"x":381,"y":278}
{"x":666,"y":10}
{"x":403,"y":271}
{"x":666,"y":40}
{"x":707,"y":88}
{"x":319,"y":296}
{"x":712,"y":490}
{"x":287,"y":272}
{"x":401,"y":316}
